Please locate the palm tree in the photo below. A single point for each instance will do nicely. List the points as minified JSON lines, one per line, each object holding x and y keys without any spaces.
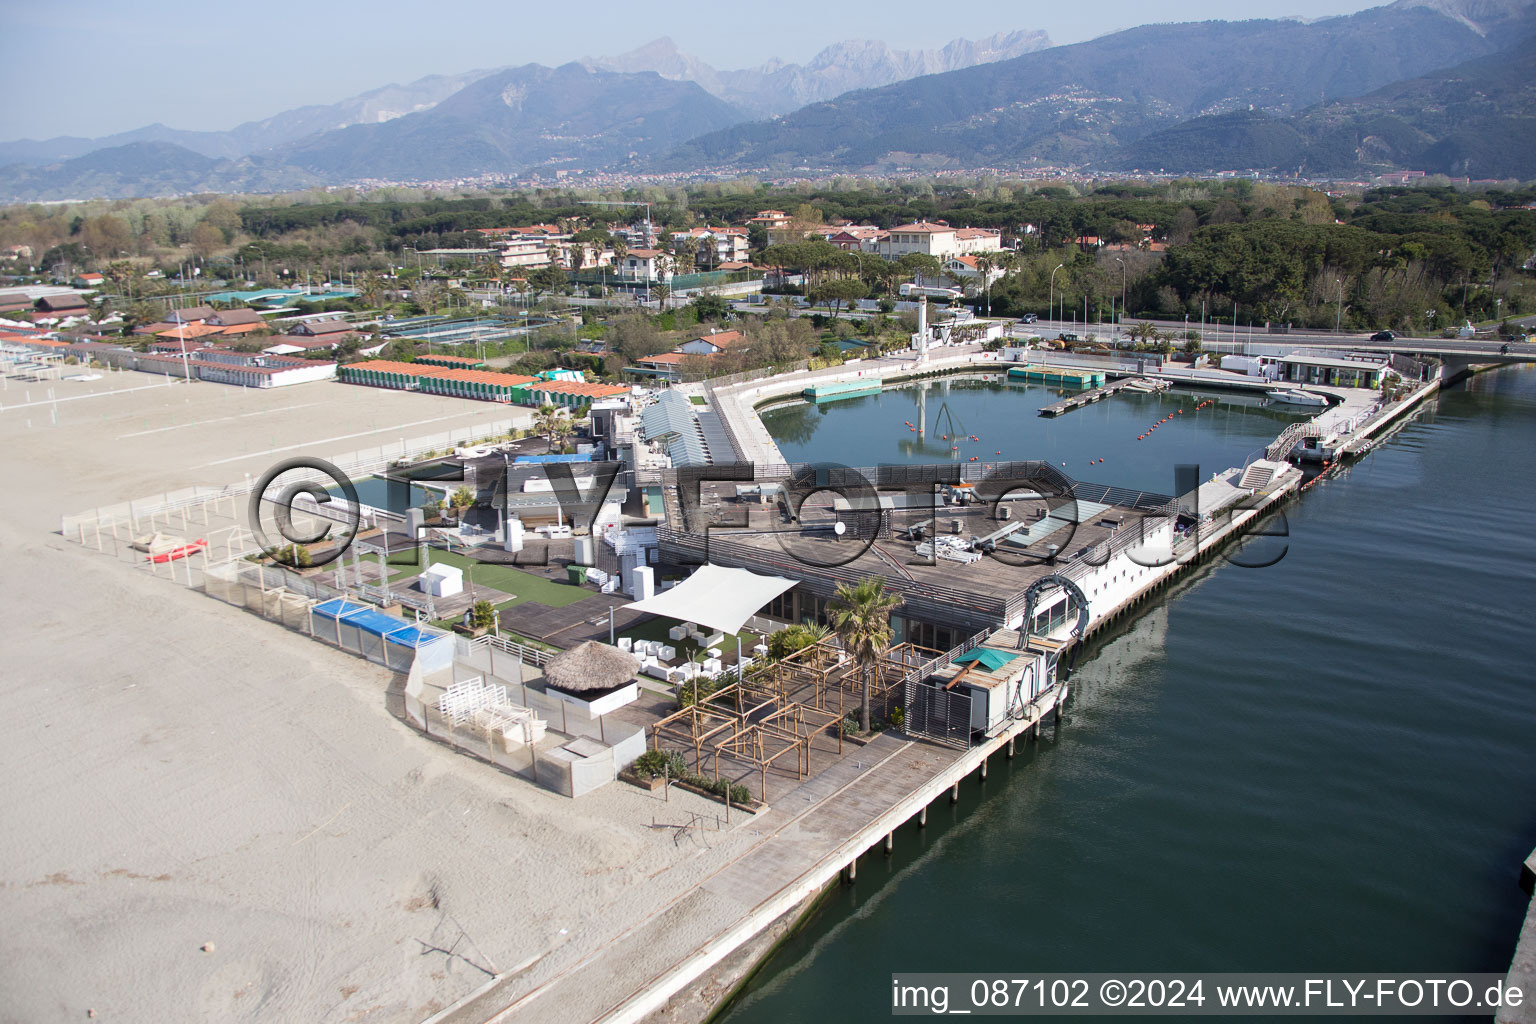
{"x":546,"y":422}
{"x":372,"y":291}
{"x":861,"y":619}
{"x":984,"y":268}
{"x":1144,"y":331}
{"x":563,"y":429}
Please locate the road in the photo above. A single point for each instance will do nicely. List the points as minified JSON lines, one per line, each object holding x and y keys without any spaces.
{"x":1223,"y":339}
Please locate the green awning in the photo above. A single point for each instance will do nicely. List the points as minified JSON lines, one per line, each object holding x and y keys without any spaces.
{"x":989,"y":658}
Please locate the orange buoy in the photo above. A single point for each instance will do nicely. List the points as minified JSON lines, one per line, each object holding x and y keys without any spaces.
{"x":999,"y":453}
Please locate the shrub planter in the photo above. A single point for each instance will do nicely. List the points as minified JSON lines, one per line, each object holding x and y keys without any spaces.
{"x":754,"y":806}
{"x":654,"y":785}
{"x":649,"y":785}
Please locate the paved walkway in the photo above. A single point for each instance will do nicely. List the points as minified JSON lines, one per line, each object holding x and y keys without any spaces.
{"x":798,"y":845}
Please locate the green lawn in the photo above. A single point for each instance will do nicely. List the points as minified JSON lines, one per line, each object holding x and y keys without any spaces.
{"x":524,"y":586}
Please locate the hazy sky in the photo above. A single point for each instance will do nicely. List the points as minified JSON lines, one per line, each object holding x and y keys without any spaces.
{"x":95,"y":67}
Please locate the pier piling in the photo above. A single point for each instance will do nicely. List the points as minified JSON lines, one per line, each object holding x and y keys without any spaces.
{"x":890,"y":843}
{"x":984,"y":769}
{"x":922,"y":817}
{"x":954,"y":793}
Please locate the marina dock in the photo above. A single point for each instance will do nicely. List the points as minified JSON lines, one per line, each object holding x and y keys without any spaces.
{"x":836,"y":390}
{"x":1087,"y":397}
{"x":1066,"y":376}
{"x":816,"y":832}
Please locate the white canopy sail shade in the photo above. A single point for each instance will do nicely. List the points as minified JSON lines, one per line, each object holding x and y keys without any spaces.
{"x":717,"y":597}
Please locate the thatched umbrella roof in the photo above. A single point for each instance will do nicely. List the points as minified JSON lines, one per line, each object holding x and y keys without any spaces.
{"x":590,"y":666}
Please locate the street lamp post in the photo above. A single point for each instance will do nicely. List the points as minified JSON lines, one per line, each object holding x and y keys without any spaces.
{"x":1051,"y":305}
{"x":1122,"y":290}
{"x":1338,"y":320}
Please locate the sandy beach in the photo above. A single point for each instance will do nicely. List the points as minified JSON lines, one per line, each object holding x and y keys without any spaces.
{"x":182,"y":773}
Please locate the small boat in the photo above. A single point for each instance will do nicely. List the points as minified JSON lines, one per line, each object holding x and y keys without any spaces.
{"x":1298,"y":396}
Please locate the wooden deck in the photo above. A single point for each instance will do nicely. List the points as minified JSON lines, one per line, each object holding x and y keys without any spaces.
{"x":800,"y":844}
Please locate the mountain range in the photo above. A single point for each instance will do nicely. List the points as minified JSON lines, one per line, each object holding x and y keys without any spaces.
{"x":771,"y":88}
{"x":1084,"y":103}
{"x":1475,"y":120}
{"x":374,"y":106}
{"x":777,"y":87}
{"x":1440,"y":85}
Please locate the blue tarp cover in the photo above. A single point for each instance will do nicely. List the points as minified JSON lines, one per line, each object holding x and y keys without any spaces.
{"x":413,"y":636}
{"x":339,"y":608}
{"x":376,"y":622}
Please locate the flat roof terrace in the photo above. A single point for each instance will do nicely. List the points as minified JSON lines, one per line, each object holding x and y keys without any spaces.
{"x":939,"y":577}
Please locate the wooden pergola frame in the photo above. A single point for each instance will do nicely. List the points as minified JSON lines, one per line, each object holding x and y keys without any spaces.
{"x":758,"y":730}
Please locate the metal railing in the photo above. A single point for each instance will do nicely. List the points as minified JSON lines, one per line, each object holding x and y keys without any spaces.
{"x":530,"y":655}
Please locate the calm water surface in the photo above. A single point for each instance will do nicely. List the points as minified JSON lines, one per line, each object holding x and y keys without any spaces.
{"x":1225,"y":432}
{"x":1325,"y":765}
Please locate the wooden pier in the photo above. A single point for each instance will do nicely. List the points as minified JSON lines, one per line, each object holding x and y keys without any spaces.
{"x":1068,"y":404}
{"x":810,"y":838}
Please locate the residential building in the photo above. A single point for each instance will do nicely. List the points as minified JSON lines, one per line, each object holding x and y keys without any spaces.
{"x":65,"y":303}
{"x":713,"y":246}
{"x":648,"y":265}
{"x":234,"y":317}
{"x":191,"y":315}
{"x":860,"y":238}
{"x":974,"y":240}
{"x":967,"y":270}
{"x":530,"y":253}
{"x":770,"y":219}
{"x":323,"y":328}
{"x":937,"y":238}
{"x":662,"y":366}
{"x":712,"y":343}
